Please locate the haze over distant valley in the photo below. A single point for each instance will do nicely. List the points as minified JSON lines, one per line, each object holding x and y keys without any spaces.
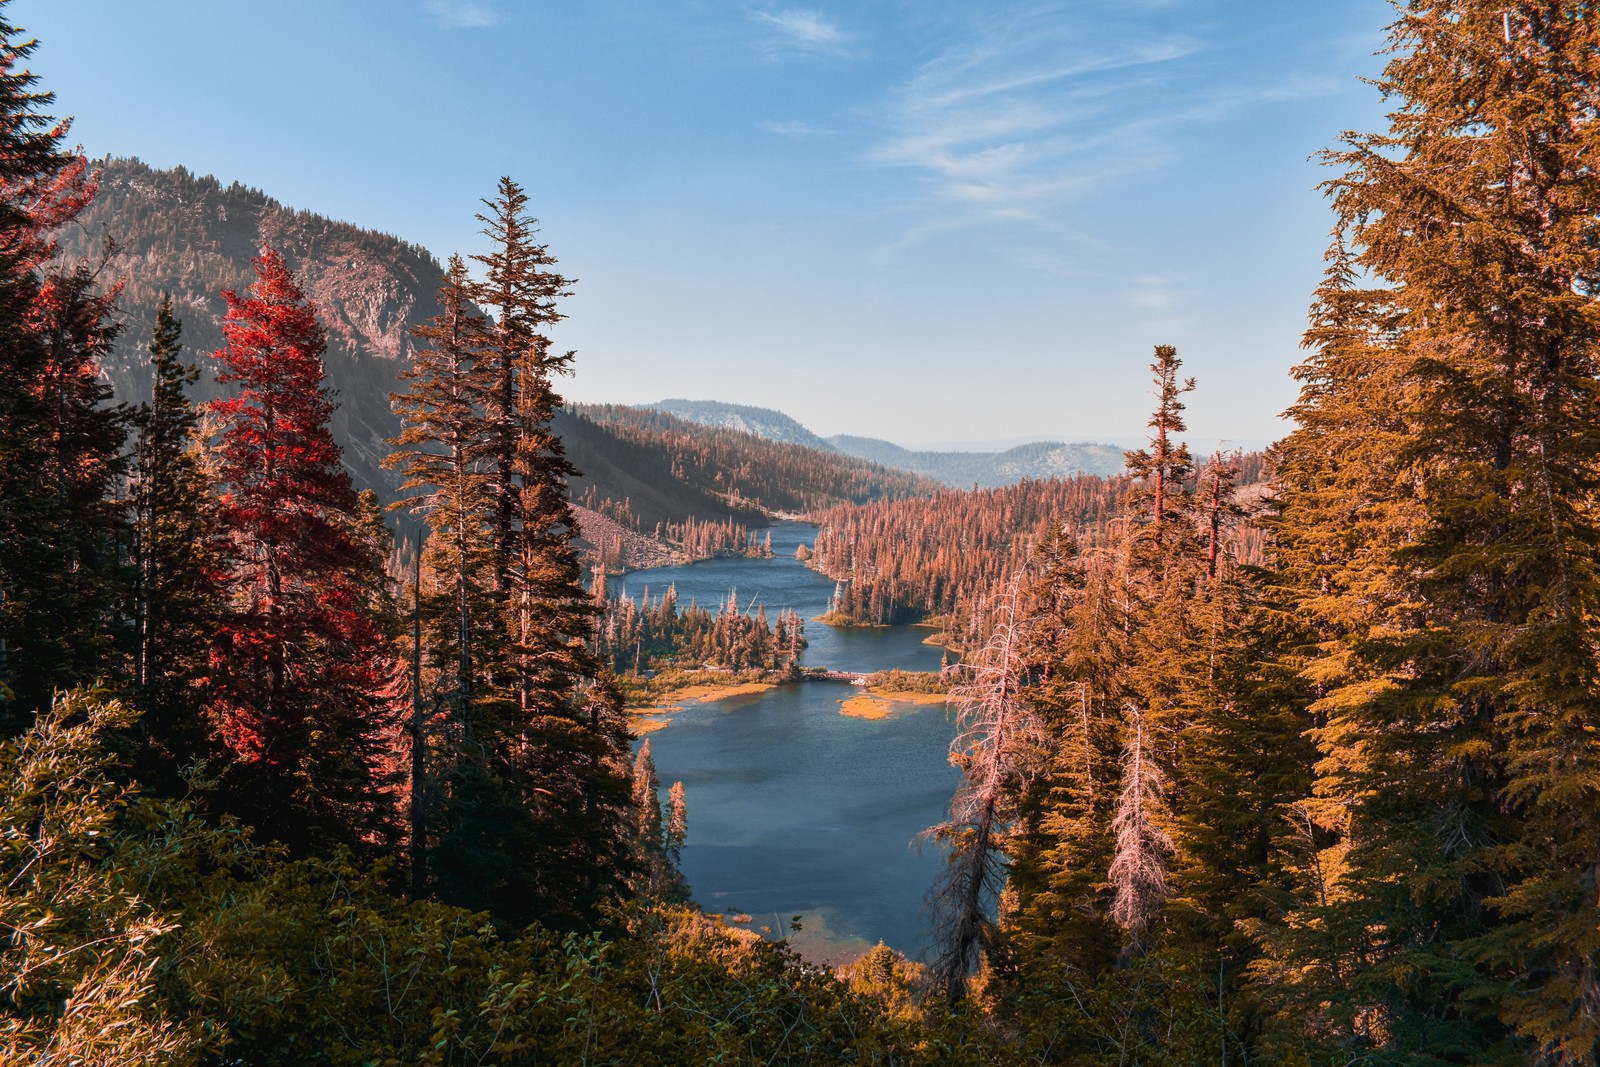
{"x":957,"y":467}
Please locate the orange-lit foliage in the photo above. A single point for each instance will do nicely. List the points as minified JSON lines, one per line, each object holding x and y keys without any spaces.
{"x":901,"y":561}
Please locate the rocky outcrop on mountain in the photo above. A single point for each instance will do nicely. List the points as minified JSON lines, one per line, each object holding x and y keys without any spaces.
{"x":151,"y":231}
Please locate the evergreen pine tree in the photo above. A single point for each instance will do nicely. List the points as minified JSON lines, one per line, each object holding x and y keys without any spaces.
{"x":60,"y":445}
{"x":1448,"y":563}
{"x":302,"y":679}
{"x":169,"y":513}
{"x":1161,"y":496}
{"x":445,"y":451}
{"x":537,"y":790}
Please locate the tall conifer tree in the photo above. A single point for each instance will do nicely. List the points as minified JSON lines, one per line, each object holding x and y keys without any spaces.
{"x":60,"y":444}
{"x":301,"y":673}
{"x":446,"y":451}
{"x":537,"y":792}
{"x":1439,"y":526}
{"x":169,"y":508}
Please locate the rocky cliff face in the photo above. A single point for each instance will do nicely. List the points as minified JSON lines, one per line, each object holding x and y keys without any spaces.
{"x":169,"y":230}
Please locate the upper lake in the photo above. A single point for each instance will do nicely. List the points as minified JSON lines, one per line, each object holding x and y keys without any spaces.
{"x":794,"y":808}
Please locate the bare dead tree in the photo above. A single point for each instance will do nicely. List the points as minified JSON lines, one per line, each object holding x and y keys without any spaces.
{"x":997,"y":736}
{"x":1139,"y":868}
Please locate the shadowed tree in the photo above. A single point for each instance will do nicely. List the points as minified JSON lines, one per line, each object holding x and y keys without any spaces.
{"x":534,"y":772}
{"x":60,"y":445}
{"x":169,"y":511}
{"x":445,"y":452}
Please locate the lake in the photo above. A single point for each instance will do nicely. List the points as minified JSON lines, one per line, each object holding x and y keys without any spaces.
{"x":793,"y":807}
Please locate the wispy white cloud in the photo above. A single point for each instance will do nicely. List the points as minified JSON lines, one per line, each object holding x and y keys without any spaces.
{"x":804,"y":29}
{"x":794,"y":129}
{"x":1010,"y":122}
{"x":462,"y":14}
{"x":1033,"y":105}
{"x":1157,"y":293}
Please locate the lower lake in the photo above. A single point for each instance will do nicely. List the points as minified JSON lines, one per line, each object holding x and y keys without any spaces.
{"x":795,"y":808}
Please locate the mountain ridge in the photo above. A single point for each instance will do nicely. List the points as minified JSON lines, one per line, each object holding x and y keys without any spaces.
{"x":770,"y":423}
{"x":957,"y":469}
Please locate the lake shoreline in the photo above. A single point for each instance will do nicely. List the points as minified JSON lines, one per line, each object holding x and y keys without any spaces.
{"x":794,"y":807}
{"x":871,"y":701}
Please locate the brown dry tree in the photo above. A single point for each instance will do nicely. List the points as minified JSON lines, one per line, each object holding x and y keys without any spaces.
{"x":1139,"y":868}
{"x":997,"y":740}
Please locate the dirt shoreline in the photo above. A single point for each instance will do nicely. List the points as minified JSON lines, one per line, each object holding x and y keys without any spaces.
{"x":644,"y":720}
{"x":881,"y":703}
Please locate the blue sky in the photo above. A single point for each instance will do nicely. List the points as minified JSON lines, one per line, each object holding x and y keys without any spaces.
{"x":930,"y":221}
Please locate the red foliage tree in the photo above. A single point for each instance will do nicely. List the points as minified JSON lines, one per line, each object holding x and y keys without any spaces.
{"x":302,"y":674}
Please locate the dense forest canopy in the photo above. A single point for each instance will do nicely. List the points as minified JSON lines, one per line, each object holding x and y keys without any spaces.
{"x":1264,"y":759}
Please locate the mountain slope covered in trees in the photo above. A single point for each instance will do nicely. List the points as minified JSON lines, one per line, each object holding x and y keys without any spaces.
{"x":900,"y":561}
{"x":190,"y":235}
{"x":1314,"y":787}
{"x":763,"y":422}
{"x":748,"y":471}
{"x":193,"y":237}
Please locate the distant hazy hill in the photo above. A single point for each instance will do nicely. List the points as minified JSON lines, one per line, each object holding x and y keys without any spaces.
{"x":1038,"y":459}
{"x":763,"y":422}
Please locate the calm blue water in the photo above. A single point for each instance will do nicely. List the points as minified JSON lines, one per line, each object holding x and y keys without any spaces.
{"x":793,"y":807}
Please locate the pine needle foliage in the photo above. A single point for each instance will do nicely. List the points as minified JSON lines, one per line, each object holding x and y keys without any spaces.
{"x":60,"y":443}
{"x":170,"y":514}
{"x":1438,"y":529}
{"x":445,"y":452}
{"x":532,"y":772}
{"x":302,"y":671}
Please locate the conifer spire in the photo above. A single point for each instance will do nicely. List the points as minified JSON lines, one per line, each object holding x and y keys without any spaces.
{"x":302,"y":674}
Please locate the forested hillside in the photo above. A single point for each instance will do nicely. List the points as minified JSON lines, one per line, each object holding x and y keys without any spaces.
{"x":191,"y":236}
{"x":1341,"y":809}
{"x":249,"y":816}
{"x":906,"y":560}
{"x":961,"y":470}
{"x":747,"y":471}
{"x":763,"y":422}
{"x":1296,"y":766}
